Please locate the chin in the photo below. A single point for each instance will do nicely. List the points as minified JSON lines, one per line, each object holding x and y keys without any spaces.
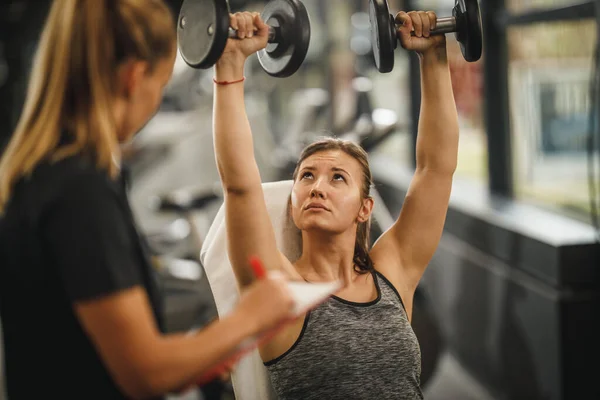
{"x":315,"y":224}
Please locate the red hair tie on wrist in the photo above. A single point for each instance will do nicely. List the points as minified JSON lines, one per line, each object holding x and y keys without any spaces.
{"x":228,"y":82}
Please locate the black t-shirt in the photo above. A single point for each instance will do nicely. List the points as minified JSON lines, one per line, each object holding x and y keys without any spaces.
{"x":67,"y":235}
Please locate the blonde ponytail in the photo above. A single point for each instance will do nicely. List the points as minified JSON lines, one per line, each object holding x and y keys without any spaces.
{"x":74,"y":81}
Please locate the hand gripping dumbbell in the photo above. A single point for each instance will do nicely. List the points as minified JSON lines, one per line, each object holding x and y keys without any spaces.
{"x":465,"y":22}
{"x":203,"y":30}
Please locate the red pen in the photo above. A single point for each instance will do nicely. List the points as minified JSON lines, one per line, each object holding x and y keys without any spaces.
{"x":258,"y":268}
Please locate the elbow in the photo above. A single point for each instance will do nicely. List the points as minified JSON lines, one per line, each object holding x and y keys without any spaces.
{"x":242,"y":187}
{"x":139,"y":386}
{"x":234,"y":182}
{"x":449,"y":168}
{"x":439,"y":167}
{"x":141,"y":393}
{"x":439,"y":160}
{"x":236,"y":190}
{"x":143,"y":381}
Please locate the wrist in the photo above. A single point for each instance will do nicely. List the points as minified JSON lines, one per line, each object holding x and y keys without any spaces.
{"x":230,"y":68}
{"x":436,"y":55}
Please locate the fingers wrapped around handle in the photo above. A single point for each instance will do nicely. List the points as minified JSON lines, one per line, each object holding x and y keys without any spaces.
{"x":245,"y":24}
{"x":416,"y":23}
{"x":416,"y":30}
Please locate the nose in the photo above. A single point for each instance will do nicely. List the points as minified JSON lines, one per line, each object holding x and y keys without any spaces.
{"x":316,"y":190}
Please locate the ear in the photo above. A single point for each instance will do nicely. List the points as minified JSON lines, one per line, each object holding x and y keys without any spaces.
{"x":132,"y":74}
{"x":365,"y":210}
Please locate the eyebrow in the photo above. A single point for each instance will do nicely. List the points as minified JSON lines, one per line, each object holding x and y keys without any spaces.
{"x":335,"y":169}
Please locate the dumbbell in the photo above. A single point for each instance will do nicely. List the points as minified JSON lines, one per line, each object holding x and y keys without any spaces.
{"x":465,"y":22}
{"x":203,"y":30}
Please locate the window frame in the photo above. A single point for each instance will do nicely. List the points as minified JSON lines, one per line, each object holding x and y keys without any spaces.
{"x":496,"y":20}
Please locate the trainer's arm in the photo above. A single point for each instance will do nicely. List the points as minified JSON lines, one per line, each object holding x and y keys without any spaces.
{"x":144,"y":363}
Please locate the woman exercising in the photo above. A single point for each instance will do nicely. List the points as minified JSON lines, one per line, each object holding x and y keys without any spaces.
{"x":81,"y":314}
{"x":359,"y":344}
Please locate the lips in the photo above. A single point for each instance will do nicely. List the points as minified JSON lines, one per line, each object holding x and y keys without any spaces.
{"x":312,"y":206}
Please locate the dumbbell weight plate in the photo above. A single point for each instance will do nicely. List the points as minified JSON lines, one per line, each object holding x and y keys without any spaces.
{"x":202,"y":31}
{"x":468,"y":28}
{"x":383,"y":35}
{"x":291,"y":18}
{"x":384,"y":40}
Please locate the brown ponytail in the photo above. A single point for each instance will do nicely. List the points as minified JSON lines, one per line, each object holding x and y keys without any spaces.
{"x":362,"y":259}
{"x":73,"y":81}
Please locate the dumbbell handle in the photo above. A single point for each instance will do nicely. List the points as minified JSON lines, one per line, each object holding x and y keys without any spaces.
{"x":443,"y":25}
{"x":274,"y":34}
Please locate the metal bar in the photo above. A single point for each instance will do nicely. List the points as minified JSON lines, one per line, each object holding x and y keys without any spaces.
{"x":444,"y":25}
{"x":583,"y":10}
{"x":414,"y":78}
{"x":273,"y":34}
{"x":496,"y":103}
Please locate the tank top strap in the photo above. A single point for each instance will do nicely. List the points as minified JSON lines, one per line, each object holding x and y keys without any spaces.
{"x":388,"y":290}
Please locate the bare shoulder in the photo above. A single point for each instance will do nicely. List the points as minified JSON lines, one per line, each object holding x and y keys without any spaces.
{"x":288,"y":268}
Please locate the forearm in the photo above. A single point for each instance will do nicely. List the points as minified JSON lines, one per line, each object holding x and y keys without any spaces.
{"x":234,"y":147}
{"x":180,"y":360}
{"x":437,"y":140}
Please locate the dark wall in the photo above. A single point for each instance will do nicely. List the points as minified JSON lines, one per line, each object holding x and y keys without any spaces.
{"x":20,"y":25}
{"x":516,"y":290}
{"x":21,"y":22}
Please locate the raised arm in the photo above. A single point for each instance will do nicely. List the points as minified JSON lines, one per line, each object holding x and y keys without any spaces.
{"x":249,"y":228}
{"x":410,"y":243}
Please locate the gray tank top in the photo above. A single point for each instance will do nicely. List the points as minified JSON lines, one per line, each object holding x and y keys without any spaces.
{"x":352,"y":351}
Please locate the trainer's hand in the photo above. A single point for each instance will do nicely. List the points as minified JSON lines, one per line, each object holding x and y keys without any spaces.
{"x":421,"y":23}
{"x":252,"y":36}
{"x":266,"y":302}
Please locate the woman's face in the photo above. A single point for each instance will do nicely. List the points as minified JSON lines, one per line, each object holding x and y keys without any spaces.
{"x":144,"y":90}
{"x":327,"y":193}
